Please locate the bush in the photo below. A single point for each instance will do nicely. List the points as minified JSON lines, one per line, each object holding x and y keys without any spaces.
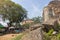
{"x":50,"y":36}
{"x":26,"y":26}
{"x":50,"y":32}
{"x":46,"y":37}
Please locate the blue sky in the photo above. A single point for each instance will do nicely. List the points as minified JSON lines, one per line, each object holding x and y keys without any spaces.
{"x":34,"y":7}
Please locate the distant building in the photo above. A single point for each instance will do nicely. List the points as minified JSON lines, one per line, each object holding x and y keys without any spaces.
{"x":26,"y":21}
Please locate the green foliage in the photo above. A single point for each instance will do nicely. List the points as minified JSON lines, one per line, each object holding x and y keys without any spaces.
{"x":12,"y":11}
{"x":37,"y":19}
{"x":27,"y":25}
{"x":18,"y":37}
{"x":58,"y":26}
{"x":58,"y":36}
{"x":46,"y":36}
{"x":50,"y":36}
{"x":55,"y":37}
{"x":50,"y":32}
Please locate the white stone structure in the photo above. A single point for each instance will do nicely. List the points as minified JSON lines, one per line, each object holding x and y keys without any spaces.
{"x":51,"y":13}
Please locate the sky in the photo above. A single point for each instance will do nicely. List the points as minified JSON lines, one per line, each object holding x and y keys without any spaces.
{"x":34,"y":7}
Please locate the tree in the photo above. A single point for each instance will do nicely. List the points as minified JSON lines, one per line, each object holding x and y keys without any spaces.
{"x":15,"y":13}
{"x":37,"y":19}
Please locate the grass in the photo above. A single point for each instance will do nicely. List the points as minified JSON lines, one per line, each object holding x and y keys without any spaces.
{"x":52,"y":37}
{"x":18,"y":37}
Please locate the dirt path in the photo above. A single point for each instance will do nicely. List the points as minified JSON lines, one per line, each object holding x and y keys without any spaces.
{"x":8,"y":36}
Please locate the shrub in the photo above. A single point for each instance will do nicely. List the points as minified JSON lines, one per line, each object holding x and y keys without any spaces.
{"x":50,"y":32}
{"x":26,"y":26}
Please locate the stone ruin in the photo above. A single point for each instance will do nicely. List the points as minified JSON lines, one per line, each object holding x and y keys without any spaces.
{"x":51,"y":14}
